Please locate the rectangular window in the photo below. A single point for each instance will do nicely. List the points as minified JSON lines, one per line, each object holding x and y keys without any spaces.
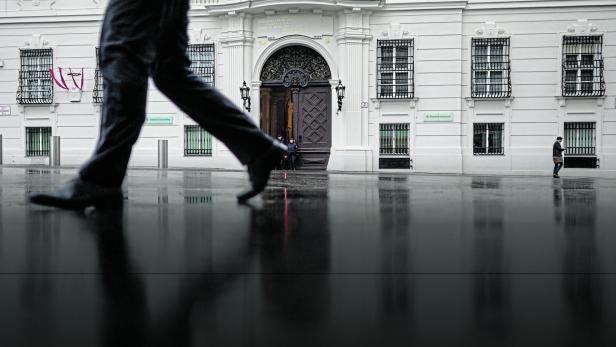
{"x":202,"y":61}
{"x":579,"y":138}
{"x":488,"y":138}
{"x":35,"y":84}
{"x":395,"y":69}
{"x":394,"y":139}
{"x":37,"y":141}
{"x":583,"y":66}
{"x":197,"y":142}
{"x":97,"y":93}
{"x":490,"y":68}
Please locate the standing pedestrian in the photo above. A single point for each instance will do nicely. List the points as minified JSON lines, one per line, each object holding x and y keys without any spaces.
{"x":148,"y":38}
{"x":557,"y":156}
{"x":292,"y":146}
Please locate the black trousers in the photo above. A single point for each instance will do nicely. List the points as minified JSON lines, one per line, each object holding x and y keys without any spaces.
{"x":148,"y":38}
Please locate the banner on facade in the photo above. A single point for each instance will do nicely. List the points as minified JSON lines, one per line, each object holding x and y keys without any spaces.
{"x":438,"y":117}
{"x":159,"y":120}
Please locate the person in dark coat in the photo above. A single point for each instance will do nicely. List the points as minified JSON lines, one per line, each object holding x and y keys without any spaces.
{"x":557,"y":156}
{"x":292,"y":146}
{"x":148,"y":38}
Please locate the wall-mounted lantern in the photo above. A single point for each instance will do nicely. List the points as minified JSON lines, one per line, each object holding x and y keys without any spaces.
{"x":245,"y":91}
{"x":340,"y":88}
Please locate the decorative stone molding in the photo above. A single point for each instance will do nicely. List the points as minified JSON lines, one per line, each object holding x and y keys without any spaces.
{"x":563,"y":100}
{"x":582,"y":27}
{"x":376,"y":103}
{"x":490,"y":29}
{"x":36,"y":41}
{"x":471,"y":101}
{"x":198,"y":36}
{"x":35,"y":4}
{"x":296,"y":65}
{"x":293,"y":40}
{"x":395,"y":32}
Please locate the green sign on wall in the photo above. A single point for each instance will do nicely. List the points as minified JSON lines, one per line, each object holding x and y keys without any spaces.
{"x":159,"y":120}
{"x":438,"y":117}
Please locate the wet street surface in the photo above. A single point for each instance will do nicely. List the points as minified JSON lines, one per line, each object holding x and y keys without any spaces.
{"x":319,"y":260}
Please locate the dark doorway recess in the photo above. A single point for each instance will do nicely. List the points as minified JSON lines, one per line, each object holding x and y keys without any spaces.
{"x":296,"y":102}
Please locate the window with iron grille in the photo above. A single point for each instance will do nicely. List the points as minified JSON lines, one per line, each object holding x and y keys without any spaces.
{"x":580,"y":138}
{"x":394,"y":139}
{"x":202,"y":61}
{"x":490,"y":68}
{"x":35,"y":85}
{"x":395,"y":69}
{"x":97,"y":93}
{"x":488,"y":138}
{"x":37,"y":141}
{"x":583,"y":66}
{"x":197,"y":142}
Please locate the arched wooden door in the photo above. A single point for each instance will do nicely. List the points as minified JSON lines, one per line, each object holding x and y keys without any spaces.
{"x":303,"y":75}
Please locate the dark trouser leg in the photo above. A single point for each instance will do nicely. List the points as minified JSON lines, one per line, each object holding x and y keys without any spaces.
{"x":129,"y":28}
{"x":557,"y":168}
{"x":207,"y":106}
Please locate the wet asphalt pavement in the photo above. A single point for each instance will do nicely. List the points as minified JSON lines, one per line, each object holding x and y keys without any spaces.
{"x":319,"y":260}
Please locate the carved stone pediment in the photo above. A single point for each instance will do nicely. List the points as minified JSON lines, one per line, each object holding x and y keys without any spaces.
{"x":36,"y":4}
{"x":198,"y":36}
{"x":582,"y":27}
{"x":296,"y":66}
{"x":36,"y":41}
{"x":490,"y":29}
{"x":395,"y":32}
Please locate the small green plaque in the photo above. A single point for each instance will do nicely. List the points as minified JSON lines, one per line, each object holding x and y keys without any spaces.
{"x":159,"y":120}
{"x":438,"y":117}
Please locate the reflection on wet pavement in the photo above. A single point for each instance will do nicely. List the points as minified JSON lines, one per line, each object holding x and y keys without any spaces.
{"x":339,"y":259}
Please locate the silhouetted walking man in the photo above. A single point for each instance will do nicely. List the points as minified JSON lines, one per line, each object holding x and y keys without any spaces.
{"x":142,"y":38}
{"x":557,"y":156}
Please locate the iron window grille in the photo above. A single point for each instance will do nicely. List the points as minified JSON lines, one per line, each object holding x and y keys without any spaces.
{"x":394,"y":139}
{"x":37,"y":141}
{"x":202,"y":61}
{"x":35,"y":83}
{"x":580,"y":138}
{"x":395,"y":64}
{"x":99,"y":83}
{"x":491,"y":68}
{"x":488,"y":139}
{"x":582,"y":72}
{"x":197,"y":142}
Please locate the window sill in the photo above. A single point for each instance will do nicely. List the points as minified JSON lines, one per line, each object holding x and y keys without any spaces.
{"x":562,"y":100}
{"x":377,"y":102}
{"x":471,"y":100}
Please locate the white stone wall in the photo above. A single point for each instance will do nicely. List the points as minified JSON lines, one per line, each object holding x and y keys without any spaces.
{"x":345,"y":34}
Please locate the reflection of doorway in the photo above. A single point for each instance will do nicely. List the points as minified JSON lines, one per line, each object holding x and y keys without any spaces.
{"x":296,"y":102}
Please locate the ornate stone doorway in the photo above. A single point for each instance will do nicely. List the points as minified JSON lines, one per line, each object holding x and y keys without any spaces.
{"x":296,"y":102}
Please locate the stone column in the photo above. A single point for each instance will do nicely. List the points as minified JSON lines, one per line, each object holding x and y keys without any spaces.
{"x":353,"y":37}
{"x":236,"y":46}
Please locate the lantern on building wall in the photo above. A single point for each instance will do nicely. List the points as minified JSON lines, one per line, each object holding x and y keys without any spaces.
{"x":340,"y":88}
{"x":245,"y":92}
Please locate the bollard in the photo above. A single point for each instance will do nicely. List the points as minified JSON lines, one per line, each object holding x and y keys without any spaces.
{"x":0,"y":149}
{"x":54,"y":151}
{"x":163,"y":154}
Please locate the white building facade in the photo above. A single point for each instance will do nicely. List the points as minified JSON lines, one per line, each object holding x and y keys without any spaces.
{"x":470,"y":86}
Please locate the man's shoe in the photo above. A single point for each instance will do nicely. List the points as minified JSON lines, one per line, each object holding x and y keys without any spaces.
{"x":77,"y":194}
{"x":260,"y":168}
{"x":556,"y":176}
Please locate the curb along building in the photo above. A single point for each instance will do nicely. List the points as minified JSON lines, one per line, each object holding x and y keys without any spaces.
{"x":429,"y":86}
